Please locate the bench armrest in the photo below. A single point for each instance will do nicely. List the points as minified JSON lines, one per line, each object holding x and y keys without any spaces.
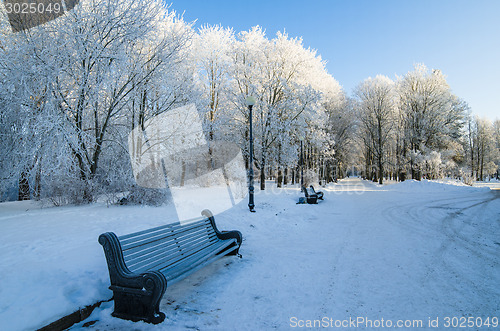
{"x":119,"y":274}
{"x":223,"y":235}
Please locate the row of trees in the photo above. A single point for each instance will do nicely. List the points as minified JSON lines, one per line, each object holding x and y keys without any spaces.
{"x":482,"y":148}
{"x":415,"y":127}
{"x":73,"y":89}
{"x":289,"y":81}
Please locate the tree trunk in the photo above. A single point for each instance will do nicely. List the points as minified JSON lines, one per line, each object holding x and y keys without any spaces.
{"x":38,"y":182}
{"x":380,"y":154}
{"x":482,"y":165}
{"x":262,"y":177}
{"x":368,"y":174}
{"x":280,"y":177}
{"x":24,"y":187}
{"x":374,"y":175}
{"x":380,"y":171}
{"x":478,"y":162}
{"x":471,"y":146}
{"x":183,"y":173}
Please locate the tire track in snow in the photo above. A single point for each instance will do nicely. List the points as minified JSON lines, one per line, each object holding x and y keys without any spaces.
{"x":417,"y":213}
{"x":470,"y":257}
{"x":454,"y":224}
{"x":450,"y":268}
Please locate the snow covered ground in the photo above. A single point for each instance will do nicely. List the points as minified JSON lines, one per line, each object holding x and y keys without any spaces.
{"x":407,"y":251}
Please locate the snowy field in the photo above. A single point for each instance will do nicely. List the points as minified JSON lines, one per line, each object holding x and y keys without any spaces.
{"x":411,"y":251}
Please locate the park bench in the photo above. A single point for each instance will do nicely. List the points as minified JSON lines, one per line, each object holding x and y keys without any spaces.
{"x":142,"y":264}
{"x":319,"y":194}
{"x":310,"y":196}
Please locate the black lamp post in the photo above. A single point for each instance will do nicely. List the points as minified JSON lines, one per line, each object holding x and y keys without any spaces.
{"x":251,"y":205}
{"x":301,"y":163}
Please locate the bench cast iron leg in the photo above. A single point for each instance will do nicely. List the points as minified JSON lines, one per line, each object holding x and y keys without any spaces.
{"x":141,"y":304}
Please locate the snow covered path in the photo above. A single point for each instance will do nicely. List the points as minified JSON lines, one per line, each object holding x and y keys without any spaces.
{"x":409,"y":251}
{"x":366,"y":251}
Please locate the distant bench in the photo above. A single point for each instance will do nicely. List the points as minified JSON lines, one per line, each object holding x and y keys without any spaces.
{"x":319,"y":194}
{"x":142,"y":264}
{"x":311,"y":196}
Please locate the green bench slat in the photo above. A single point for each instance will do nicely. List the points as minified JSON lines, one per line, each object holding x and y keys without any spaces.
{"x":166,"y":255}
{"x":131,"y":242}
{"x":173,"y":270}
{"x":158,"y":264}
{"x":158,"y":228}
{"x":164,"y":243}
{"x":193,"y":267}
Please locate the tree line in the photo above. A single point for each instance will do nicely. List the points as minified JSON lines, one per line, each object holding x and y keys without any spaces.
{"x":416,"y":128}
{"x":71,"y":91}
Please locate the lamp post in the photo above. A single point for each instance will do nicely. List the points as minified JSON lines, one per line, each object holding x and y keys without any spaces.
{"x":301,"y":163}
{"x":250,"y":100}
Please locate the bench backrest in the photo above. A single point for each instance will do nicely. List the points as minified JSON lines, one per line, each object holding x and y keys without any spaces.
{"x":308,"y":192}
{"x":160,"y":247}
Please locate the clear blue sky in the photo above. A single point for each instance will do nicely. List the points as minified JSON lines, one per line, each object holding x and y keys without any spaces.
{"x":360,"y":39}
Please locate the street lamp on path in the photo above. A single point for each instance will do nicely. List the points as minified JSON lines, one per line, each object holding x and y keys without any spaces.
{"x":250,"y":100}
{"x":301,"y":138}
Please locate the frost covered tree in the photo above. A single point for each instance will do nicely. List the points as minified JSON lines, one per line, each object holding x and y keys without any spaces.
{"x":73,"y":89}
{"x":430,"y":114}
{"x":341,"y":128}
{"x":278,"y":73}
{"x":485,"y":149}
{"x":121,"y":45}
{"x":85,"y":71}
{"x":496,"y":132}
{"x":29,"y":122}
{"x":481,"y":147}
{"x":470,"y":143}
{"x":376,"y":106}
{"x":212,"y":50}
